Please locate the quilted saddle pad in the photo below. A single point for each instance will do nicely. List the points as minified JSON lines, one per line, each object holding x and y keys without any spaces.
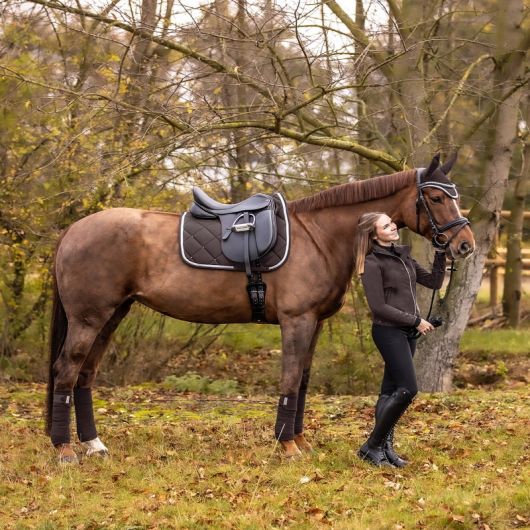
{"x":200,"y":243}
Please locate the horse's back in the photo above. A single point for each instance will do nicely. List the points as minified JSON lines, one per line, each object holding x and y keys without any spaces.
{"x":117,"y":225}
{"x":108,"y":250}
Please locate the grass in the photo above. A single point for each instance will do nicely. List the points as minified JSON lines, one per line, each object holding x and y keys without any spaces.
{"x":199,"y":462}
{"x":496,"y":343}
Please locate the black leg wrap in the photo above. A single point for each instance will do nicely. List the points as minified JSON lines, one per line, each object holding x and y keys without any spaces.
{"x":60,"y":431}
{"x":300,"y":407}
{"x":284,"y":429}
{"x":84,"y":414}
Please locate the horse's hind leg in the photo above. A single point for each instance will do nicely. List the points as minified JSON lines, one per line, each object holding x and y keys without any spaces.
{"x":77,"y":346}
{"x":84,"y":410}
{"x":297,"y":337}
{"x":299,"y":437}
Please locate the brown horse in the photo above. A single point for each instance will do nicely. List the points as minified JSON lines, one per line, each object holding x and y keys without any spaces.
{"x":110,"y":259}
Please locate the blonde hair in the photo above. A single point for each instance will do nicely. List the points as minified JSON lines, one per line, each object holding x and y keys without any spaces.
{"x":364,"y":237}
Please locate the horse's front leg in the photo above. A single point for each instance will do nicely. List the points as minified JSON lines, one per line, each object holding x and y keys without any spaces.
{"x":297,"y":337}
{"x":299,"y":437}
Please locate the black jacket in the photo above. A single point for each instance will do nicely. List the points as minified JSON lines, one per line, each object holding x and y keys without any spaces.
{"x":389,"y":280}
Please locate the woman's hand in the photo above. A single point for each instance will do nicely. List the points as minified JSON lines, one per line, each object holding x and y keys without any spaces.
{"x":424,"y":327}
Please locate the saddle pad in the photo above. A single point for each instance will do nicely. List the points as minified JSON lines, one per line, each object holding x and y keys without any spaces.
{"x":200,"y":243}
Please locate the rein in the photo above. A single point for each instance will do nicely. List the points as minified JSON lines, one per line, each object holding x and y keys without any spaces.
{"x":452,"y":268}
{"x":440,"y":240}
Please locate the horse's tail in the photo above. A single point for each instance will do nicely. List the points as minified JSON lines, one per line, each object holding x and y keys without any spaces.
{"x":58,"y":330}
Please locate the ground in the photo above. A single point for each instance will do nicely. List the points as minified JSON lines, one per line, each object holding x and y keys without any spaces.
{"x":183,"y":460}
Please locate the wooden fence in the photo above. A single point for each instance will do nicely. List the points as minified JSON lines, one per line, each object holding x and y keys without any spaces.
{"x":496,"y":262}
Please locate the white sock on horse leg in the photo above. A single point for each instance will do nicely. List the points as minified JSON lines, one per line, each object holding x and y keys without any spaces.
{"x":94,"y":446}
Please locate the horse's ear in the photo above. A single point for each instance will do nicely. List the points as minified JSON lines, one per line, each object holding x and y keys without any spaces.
{"x":449,"y":163}
{"x":435,"y":162}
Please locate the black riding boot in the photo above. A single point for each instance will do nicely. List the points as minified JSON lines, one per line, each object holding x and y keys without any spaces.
{"x":390,"y":452}
{"x":373,"y":450}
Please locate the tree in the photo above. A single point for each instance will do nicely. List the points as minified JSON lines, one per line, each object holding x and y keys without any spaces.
{"x":245,"y":95}
{"x":511,"y":300}
{"x":438,"y":355}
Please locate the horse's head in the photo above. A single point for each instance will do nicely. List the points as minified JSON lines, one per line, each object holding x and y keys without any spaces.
{"x":438,"y":216}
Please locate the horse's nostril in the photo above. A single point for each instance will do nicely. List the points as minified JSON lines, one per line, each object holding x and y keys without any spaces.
{"x":464,"y":248}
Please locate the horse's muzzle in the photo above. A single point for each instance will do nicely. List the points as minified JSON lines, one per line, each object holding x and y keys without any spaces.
{"x":464,"y":249}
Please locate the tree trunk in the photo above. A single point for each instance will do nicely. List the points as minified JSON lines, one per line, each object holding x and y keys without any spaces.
{"x":439,"y":350}
{"x":511,"y":301}
{"x":414,"y":102}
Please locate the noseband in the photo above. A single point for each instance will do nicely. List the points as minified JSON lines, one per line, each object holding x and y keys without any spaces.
{"x":440,"y":239}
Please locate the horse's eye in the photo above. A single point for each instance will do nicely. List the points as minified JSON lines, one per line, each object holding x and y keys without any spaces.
{"x":436,"y":199}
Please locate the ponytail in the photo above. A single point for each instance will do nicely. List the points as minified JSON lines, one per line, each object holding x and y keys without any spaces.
{"x":364,"y":236}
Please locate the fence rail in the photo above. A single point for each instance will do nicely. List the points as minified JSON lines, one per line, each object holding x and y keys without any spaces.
{"x":496,"y":262}
{"x":505,"y":214}
{"x":494,"y":268}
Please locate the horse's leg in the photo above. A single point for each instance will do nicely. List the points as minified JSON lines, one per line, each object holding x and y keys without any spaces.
{"x":297,"y":335}
{"x":84,"y":410}
{"x":77,"y":346}
{"x":299,"y":437}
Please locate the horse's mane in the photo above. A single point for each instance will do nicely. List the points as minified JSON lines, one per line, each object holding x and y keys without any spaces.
{"x":355,"y":192}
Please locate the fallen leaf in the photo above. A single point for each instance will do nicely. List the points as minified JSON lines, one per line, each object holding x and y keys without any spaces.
{"x":316,"y":513}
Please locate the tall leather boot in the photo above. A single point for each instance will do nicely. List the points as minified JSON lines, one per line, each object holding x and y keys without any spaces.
{"x":390,"y":452}
{"x":373,"y":450}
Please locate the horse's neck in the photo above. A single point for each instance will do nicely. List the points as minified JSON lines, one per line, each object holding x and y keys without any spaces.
{"x":340,"y":222}
{"x":332,"y":231}
{"x":333,"y":228}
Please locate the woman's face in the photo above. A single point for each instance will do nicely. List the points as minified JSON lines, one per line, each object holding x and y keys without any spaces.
{"x":386,"y":230}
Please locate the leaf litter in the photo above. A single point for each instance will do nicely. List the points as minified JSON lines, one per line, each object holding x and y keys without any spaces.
{"x":184,"y":461}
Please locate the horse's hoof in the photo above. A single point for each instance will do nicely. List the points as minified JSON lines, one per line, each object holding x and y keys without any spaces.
{"x":302,"y":443}
{"x":66,"y":454}
{"x":95,"y":447}
{"x":290,"y":449}
{"x":100,"y":454}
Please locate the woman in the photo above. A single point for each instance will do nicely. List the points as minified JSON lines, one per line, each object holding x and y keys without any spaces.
{"x":389,"y":277}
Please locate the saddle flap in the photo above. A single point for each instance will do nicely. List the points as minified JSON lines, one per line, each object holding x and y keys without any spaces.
{"x":260,"y":238}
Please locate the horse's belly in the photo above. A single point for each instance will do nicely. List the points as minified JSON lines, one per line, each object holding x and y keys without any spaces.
{"x":199,"y":296}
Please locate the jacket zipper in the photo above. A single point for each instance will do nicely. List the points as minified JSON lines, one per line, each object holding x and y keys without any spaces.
{"x":416,"y":308}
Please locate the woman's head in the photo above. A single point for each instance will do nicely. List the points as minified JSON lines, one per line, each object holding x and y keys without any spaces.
{"x":372,"y":226}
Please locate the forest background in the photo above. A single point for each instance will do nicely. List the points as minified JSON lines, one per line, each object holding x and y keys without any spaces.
{"x":108,"y":104}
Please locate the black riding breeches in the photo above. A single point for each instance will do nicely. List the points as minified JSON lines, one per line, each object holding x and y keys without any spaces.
{"x":397,"y":350}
